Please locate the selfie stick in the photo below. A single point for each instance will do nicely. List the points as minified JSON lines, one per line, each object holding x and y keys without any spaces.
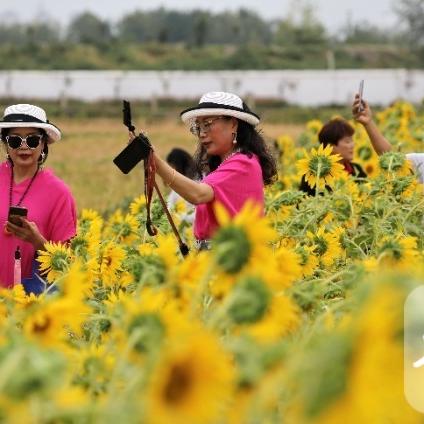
{"x":150,"y":183}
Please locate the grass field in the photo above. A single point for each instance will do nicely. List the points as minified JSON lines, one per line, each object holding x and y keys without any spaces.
{"x":83,"y":159}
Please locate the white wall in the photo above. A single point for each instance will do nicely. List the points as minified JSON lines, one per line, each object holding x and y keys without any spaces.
{"x":307,"y":87}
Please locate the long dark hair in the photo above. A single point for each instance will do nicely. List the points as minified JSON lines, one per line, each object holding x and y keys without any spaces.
{"x":249,"y":141}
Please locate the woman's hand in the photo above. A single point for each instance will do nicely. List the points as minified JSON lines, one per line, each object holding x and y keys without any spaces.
{"x":28,"y":232}
{"x":361,"y":111}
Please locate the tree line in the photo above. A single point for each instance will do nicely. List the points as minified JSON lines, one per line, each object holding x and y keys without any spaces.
{"x":169,"y":39}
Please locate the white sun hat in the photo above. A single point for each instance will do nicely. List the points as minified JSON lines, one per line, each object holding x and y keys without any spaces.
{"x":29,"y":116}
{"x":217,"y":103}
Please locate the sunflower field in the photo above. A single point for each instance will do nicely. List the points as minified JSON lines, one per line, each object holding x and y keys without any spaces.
{"x":295,"y":317}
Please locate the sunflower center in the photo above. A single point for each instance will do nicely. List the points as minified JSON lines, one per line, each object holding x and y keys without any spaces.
{"x":41,"y":327}
{"x":179,"y":383}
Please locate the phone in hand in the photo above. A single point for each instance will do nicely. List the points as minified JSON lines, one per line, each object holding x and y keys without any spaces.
{"x":361,"y":92}
{"x":15,"y":213}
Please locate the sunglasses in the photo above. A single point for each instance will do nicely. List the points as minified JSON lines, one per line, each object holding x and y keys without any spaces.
{"x":198,"y":127}
{"x":32,"y":141}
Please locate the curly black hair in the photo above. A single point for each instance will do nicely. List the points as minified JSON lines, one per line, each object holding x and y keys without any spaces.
{"x":249,"y":141}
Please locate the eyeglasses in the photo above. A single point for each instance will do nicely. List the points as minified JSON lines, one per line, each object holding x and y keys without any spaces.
{"x":32,"y":141}
{"x":205,"y":126}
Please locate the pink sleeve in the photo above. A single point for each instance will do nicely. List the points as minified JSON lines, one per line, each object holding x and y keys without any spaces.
{"x":63,"y":219}
{"x":236,"y":181}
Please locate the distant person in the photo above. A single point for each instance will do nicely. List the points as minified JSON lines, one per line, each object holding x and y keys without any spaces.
{"x":183,"y":163}
{"x":339,"y":134}
{"x":361,"y":112}
{"x":231,"y":155}
{"x":26,"y":135}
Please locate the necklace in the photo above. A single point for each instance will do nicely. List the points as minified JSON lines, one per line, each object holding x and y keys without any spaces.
{"x":24,"y":193}
{"x":26,"y":190}
{"x":228,"y":157}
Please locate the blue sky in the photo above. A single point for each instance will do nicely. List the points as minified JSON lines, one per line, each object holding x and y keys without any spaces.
{"x":332,"y":13}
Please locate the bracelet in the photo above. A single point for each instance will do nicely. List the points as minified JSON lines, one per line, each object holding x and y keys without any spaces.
{"x":171,"y":181}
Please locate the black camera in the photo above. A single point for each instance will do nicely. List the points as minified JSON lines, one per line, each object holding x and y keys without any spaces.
{"x":136,"y":151}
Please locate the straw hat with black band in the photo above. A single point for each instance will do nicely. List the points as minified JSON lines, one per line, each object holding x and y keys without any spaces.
{"x":29,"y":116}
{"x":220,"y":103}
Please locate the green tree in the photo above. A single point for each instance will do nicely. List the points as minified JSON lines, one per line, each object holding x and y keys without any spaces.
{"x":366,"y":33}
{"x":241,"y":27}
{"x":31,"y":33}
{"x":90,"y":29}
{"x":300,"y":29}
{"x":411,"y":14}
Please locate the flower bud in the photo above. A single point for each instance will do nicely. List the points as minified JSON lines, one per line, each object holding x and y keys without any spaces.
{"x":249,"y":301}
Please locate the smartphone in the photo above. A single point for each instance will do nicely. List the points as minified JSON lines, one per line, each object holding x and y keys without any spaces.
{"x":361,"y":92}
{"x":15,"y":212}
{"x":137,"y":150}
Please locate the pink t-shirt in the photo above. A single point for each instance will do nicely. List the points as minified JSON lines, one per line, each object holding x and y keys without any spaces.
{"x":235,"y":181}
{"x":50,"y":205}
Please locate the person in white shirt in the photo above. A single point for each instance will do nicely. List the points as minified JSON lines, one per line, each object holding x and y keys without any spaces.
{"x":182,"y":162}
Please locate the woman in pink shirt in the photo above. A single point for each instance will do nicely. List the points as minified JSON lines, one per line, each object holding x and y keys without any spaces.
{"x":26,"y":134}
{"x":232,"y":156}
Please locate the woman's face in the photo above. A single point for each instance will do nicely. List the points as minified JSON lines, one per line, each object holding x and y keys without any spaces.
{"x":345,"y":148}
{"x":24,"y":156}
{"x":216,"y":134}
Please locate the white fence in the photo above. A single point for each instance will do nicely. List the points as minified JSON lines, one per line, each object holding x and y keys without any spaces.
{"x":306,"y":87}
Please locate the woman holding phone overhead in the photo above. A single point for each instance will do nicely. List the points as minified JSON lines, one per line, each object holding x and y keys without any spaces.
{"x":35,"y":205}
{"x":362,"y":113}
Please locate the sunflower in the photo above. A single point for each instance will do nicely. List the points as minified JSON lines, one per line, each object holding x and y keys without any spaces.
{"x":314,"y":125}
{"x":75,"y":285}
{"x":138,"y":205}
{"x":285,"y":144}
{"x":288,"y":266}
{"x":112,"y":256}
{"x":91,"y":363}
{"x":122,"y":228}
{"x":189,"y":272}
{"x":281,"y":318}
{"x":90,"y":224}
{"x":54,"y":259}
{"x":150,"y":319}
{"x":326,"y":245}
{"x":46,"y":324}
{"x":308,"y":260}
{"x":167,"y":250}
{"x":321,"y":168}
{"x":395,"y":162}
{"x":243,"y":239}
{"x":374,"y":389}
{"x":192,"y":382}
{"x":18,"y":297}
{"x":398,"y":251}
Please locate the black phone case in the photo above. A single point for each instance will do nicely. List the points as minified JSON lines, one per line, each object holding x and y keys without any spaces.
{"x":16,"y":211}
{"x":137,"y":150}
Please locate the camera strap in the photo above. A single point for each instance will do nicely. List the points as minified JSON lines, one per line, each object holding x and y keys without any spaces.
{"x":149,"y":185}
